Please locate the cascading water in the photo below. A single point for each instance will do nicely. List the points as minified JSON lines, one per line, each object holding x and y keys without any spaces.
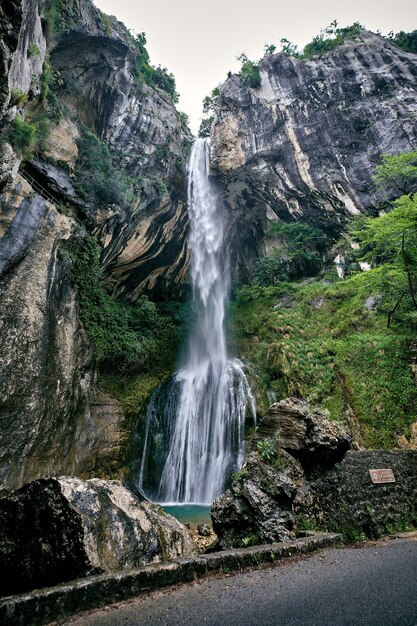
{"x":204,"y":412}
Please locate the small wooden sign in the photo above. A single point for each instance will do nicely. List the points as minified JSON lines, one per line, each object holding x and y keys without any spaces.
{"x":379,"y":476}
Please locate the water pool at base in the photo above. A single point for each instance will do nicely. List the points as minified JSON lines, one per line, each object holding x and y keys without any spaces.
{"x":193,"y":514}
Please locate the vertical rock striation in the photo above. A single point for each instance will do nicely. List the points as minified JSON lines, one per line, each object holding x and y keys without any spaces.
{"x":52,"y":420}
{"x":304,"y":145}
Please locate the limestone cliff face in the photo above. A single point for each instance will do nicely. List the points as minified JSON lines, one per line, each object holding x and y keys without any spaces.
{"x":303,"y":146}
{"x":52,"y":420}
{"x":144,"y":246}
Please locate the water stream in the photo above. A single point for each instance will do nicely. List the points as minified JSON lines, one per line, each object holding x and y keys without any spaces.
{"x":208,"y":399}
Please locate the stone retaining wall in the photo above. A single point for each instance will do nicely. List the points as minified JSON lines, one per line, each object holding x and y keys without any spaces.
{"x":346,"y":499}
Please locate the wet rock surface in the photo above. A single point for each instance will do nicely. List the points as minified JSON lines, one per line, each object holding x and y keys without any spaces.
{"x":301,"y":473}
{"x":53,"y":530}
{"x":48,"y":401}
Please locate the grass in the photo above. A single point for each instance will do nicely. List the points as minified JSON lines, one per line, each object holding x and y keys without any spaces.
{"x":329,"y":349}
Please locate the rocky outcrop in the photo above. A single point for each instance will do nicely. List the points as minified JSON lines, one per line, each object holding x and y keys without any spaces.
{"x":59,"y":529}
{"x":301,"y":473}
{"x":304,"y":145}
{"x":144,"y":244}
{"x":291,"y":442}
{"x":53,"y":421}
{"x":344,"y":497}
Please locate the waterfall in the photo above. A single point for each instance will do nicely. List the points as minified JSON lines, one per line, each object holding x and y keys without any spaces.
{"x":208,"y":398}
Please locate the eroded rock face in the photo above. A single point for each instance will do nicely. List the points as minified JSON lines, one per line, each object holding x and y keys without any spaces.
{"x":52,"y":419}
{"x":59,"y":529}
{"x":143,"y":246}
{"x":292,"y":442}
{"x":304,"y":145}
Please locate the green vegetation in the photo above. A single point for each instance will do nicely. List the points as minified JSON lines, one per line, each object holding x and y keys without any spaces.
{"x":18,"y":98}
{"x":406,"y":41}
{"x":97,"y":179}
{"x":60,"y":17}
{"x":328,"y":348}
{"x":128,"y":337}
{"x":249,"y":540}
{"x":298,"y":252}
{"x":144,"y":72}
{"x":209,"y":110}
{"x":249,"y":72}
{"x":29,"y":134}
{"x":354,"y":531}
{"x":329,"y":38}
{"x":21,"y":136}
{"x":267,"y":449}
{"x":343,"y":344}
{"x":33,"y":50}
{"x":398,"y":172}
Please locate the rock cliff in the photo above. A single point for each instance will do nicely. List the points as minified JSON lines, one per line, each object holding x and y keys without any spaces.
{"x":303,"y":146}
{"x":67,"y":70}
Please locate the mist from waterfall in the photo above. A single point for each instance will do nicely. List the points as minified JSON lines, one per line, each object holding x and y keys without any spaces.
{"x":209,"y":396}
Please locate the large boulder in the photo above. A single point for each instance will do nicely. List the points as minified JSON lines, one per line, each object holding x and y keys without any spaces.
{"x":58,"y":529}
{"x":292,"y":442}
{"x":304,"y":432}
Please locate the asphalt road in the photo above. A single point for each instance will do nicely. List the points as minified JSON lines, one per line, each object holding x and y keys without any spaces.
{"x":375,"y":585}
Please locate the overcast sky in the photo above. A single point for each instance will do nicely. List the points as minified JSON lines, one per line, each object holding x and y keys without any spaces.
{"x":199,"y":41}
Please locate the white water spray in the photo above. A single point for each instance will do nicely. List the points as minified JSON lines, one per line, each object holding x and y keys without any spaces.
{"x":207,"y":419}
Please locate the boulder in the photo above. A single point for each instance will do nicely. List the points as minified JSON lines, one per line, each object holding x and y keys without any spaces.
{"x":293,"y":441}
{"x":57,"y":529}
{"x":304,"y":432}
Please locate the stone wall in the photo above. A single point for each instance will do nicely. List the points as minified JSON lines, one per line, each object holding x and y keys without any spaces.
{"x":345,"y":498}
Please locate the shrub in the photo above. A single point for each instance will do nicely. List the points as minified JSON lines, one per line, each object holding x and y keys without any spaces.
{"x":329,"y":38}
{"x":398,"y":172}
{"x":249,"y":72}
{"x":97,"y":179}
{"x":205,"y":126}
{"x":18,"y":98}
{"x":33,"y":50}
{"x":127,"y":336}
{"x":299,"y":253}
{"x":145,"y":73}
{"x":267,"y":450}
{"x":21,"y":135}
{"x":165,"y":80}
{"x":406,"y":41}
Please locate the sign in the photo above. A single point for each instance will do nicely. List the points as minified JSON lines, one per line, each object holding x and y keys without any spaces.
{"x":379,"y":476}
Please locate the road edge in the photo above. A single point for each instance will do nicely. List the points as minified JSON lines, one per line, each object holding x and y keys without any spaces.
{"x":43,"y":606}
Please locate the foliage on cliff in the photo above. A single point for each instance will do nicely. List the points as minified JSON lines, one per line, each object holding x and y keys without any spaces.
{"x":297,"y":251}
{"x":127,"y":336}
{"x":346,"y":344}
{"x":97,"y":178}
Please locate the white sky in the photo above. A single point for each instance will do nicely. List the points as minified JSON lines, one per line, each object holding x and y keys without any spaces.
{"x":199,"y":41}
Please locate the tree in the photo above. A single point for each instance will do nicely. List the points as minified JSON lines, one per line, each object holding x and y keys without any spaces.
{"x":392,"y":239}
{"x":269,"y":48}
{"x":249,"y":71}
{"x":397,"y":171}
{"x":288,"y":48}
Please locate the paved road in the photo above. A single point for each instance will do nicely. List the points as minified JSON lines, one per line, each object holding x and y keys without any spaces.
{"x":375,"y":585}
